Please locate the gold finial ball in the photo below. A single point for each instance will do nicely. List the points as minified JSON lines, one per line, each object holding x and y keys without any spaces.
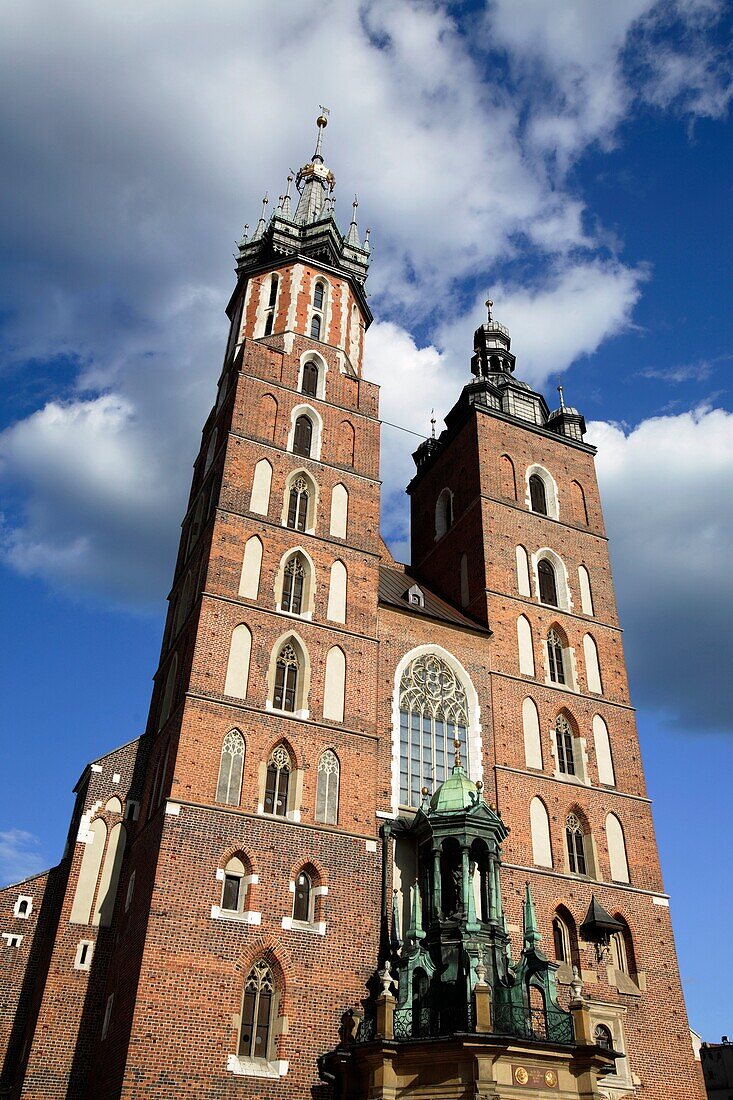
{"x":479,"y":786}
{"x":489,"y":303}
{"x":322,"y":121}
{"x":456,"y":744}
{"x":424,"y":792}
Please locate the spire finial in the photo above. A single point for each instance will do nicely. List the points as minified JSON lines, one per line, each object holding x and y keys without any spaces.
{"x":321,"y":123}
{"x":490,"y":306}
{"x":352,"y":237}
{"x":457,"y":747}
{"x":243,"y":241}
{"x":354,"y":207}
{"x":285,"y":202}
{"x":562,"y":399}
{"x":531,"y":932}
{"x":261,"y":223}
{"x":432,"y":423}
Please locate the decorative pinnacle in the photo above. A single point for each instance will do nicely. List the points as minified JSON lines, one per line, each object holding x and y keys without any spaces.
{"x":432,"y":423}
{"x":355,"y":207}
{"x":490,"y":306}
{"x":562,"y":399}
{"x":457,"y":747}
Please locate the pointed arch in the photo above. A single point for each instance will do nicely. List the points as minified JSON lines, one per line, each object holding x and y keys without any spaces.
{"x":541,"y":493}
{"x":288,"y":677}
{"x":89,"y":872}
{"x":259,"y":501}
{"x":312,"y":374}
{"x":565,"y":937}
{"x":443,"y":513}
{"x":237,"y":674}
{"x":551,"y":579}
{"x":604,"y":760}
{"x":580,"y":505}
{"x":337,"y":590}
{"x":508,"y":477}
{"x":278,"y":787}
{"x":249,"y":580}
{"x":295,"y":583}
{"x":231,"y":767}
{"x":586,"y":595}
{"x":540,"y":826}
{"x":525,"y":646}
{"x":110,"y":878}
{"x":339,"y":511}
{"x":523,"y":572}
{"x":306,"y":432}
{"x":532,"y":740}
{"x":327,"y":788}
{"x":616,"y":849}
{"x":300,"y":503}
{"x":334,"y":689}
{"x":592,"y":667}
{"x":267,"y":417}
{"x":346,"y":443}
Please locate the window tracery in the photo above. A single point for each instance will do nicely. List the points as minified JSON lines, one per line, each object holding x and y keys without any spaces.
{"x":433,"y":713}
{"x":575,"y":845}
{"x":555,"y":658}
{"x":279,"y":767}
{"x":293,"y":582}
{"x":259,"y":991}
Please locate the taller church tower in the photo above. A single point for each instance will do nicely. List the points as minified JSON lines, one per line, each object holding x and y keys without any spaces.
{"x":408,"y":799}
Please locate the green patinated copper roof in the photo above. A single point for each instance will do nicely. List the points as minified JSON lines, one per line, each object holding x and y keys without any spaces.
{"x":457,"y":793}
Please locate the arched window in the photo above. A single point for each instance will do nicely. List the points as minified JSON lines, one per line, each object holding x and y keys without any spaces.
{"x":339,"y":511}
{"x":616,"y":849}
{"x":537,"y":494}
{"x":337,"y":589}
{"x":257,"y":1013}
{"x":575,"y":844}
{"x":579,"y":503}
{"x":604,"y":759}
{"x":229,"y":786}
{"x":433,"y":713}
{"x":603,"y":1037}
{"x":279,"y":767}
{"x":564,"y":742}
{"x":298,"y":503}
{"x":522,"y":571}
{"x":286,"y":679}
{"x":555,"y":658}
{"x":303,"y":899}
{"x":259,"y":500}
{"x":586,"y":596}
{"x":334,"y":688}
{"x":267,"y":417}
{"x":293,"y":580}
{"x":561,"y":939}
{"x":524,"y":644}
{"x":508,"y":477}
{"x":592,"y":667}
{"x":531,"y":730}
{"x":548,"y":585}
{"x":303,"y":436}
{"x":327,"y":788}
{"x":622,"y":949}
{"x":270,"y":315}
{"x":318,"y":295}
{"x":443,"y":513}
{"x":249,"y":578}
{"x":316,"y":327}
{"x":237,"y":675}
{"x":234,"y":889}
{"x":309,"y":384}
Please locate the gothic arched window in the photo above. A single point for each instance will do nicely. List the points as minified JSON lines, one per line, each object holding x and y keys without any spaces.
{"x":548,"y":584}
{"x":575,"y":844}
{"x":257,"y":1012}
{"x":537,"y":494}
{"x":555,"y":658}
{"x":564,"y":742}
{"x":303,"y":436}
{"x":270,"y":316}
{"x":286,"y":679}
{"x":229,"y":787}
{"x":561,"y":940}
{"x":298,"y":505}
{"x":277,"y":785}
{"x":303,"y":900}
{"x":293,"y":580}
{"x":433,"y":713}
{"x":318,"y":295}
{"x":316,"y":328}
{"x":309,"y":383}
{"x":327,"y":788}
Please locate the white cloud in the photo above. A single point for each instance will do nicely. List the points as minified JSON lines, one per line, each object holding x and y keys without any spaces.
{"x":19,"y":855}
{"x":669,"y":514}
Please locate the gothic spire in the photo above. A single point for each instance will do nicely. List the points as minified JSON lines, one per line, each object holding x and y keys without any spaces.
{"x":314,"y":180}
{"x":352,"y":237}
{"x":261,"y":223}
{"x":532,"y":934}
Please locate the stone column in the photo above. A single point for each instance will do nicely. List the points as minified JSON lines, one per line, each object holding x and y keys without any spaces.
{"x":437,"y":893}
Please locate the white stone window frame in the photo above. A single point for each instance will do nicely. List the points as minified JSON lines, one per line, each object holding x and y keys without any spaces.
{"x":23,"y":902}
{"x":562,"y":586}
{"x":310,"y":588}
{"x":474,"y":740}
{"x":304,"y":409}
{"x":12,"y":939}
{"x":324,"y":314}
{"x":86,"y":964}
{"x":303,"y":713}
{"x":313,"y":489}
{"x":242,"y":916}
{"x":611,"y":1015}
{"x":580,"y":759}
{"x":253,"y":1067}
{"x":570,"y":667}
{"x":312,"y":356}
{"x":316,"y":927}
{"x":552,"y":497}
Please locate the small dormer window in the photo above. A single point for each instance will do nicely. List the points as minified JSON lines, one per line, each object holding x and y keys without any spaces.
{"x":415,"y":596}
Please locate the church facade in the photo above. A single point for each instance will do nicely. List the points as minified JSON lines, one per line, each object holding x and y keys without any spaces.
{"x":386,"y":833}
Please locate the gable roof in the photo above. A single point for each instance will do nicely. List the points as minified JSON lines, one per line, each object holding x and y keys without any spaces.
{"x":394,"y":584}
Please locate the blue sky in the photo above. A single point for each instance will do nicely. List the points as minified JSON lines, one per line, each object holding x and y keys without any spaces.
{"x":574,"y":160}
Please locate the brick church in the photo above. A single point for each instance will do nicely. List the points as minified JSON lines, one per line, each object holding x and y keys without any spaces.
{"x":386,"y":833}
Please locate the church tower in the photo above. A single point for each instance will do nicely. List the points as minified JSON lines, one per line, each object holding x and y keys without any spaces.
{"x":399,"y":804}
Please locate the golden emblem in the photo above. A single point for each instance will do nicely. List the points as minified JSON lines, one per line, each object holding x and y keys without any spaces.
{"x":551,"y":1078}
{"x":521,"y":1076}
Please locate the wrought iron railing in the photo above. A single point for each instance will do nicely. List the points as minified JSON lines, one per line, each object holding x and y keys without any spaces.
{"x":533,"y":1023}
